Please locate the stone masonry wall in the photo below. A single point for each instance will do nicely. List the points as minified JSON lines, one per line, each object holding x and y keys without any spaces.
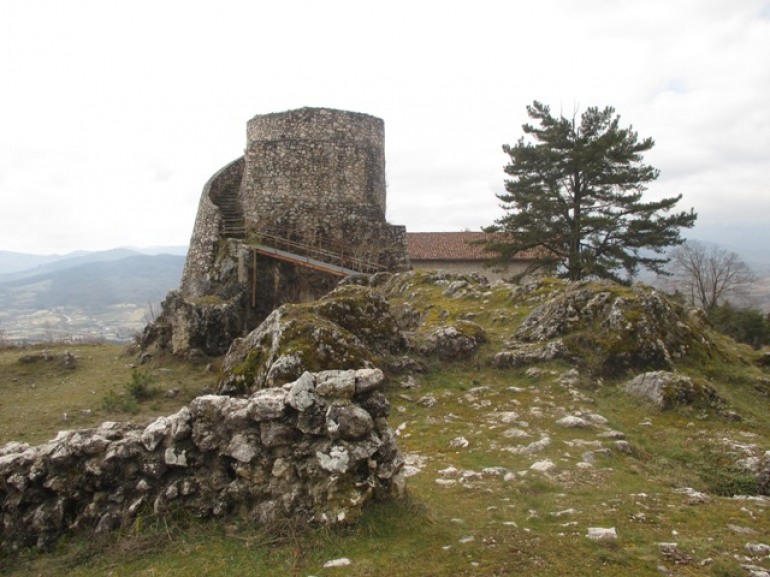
{"x":317,"y":172}
{"x":315,"y":176}
{"x":332,"y":156}
{"x":204,"y":243}
{"x":314,"y":451}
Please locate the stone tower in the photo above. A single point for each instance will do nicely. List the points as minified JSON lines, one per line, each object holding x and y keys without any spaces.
{"x":315,"y":169}
{"x":311,"y":183}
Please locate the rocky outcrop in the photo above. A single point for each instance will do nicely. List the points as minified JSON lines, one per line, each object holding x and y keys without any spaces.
{"x":187,"y":327}
{"x":67,"y":360}
{"x":611,"y":328}
{"x":315,"y":450}
{"x":521,"y":354}
{"x":346,"y":328}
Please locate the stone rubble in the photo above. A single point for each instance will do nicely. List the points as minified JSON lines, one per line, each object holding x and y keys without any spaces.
{"x":316,"y":449}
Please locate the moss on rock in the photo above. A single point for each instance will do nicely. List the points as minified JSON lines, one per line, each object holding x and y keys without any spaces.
{"x":345,"y":329}
{"x":614,"y":328}
{"x":670,"y":390}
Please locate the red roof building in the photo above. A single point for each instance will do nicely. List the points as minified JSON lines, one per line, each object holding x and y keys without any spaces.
{"x":458,"y":252}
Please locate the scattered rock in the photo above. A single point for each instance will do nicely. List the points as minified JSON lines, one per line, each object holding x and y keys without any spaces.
{"x":671,"y":552}
{"x":515,"y":434}
{"x":341,"y":562}
{"x":693,"y":497}
{"x":459,"y":443}
{"x":602,"y":534}
{"x":755,"y":571}
{"x":413,"y":464}
{"x":741,"y":530}
{"x":573,"y":422}
{"x":623,"y":447}
{"x":544,"y":466}
{"x":758,"y":549}
{"x":428,"y":401}
{"x":569,"y":511}
{"x":68,"y":361}
{"x":36,"y":357}
{"x":534,"y":447}
{"x":569,"y":378}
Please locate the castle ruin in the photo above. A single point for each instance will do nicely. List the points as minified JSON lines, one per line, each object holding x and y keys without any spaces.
{"x":304,"y":206}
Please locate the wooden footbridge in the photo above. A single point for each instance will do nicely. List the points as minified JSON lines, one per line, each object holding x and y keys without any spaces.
{"x":320,"y":253}
{"x":323,"y":255}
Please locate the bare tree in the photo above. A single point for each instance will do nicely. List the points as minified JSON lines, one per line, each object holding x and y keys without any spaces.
{"x":708,"y":277}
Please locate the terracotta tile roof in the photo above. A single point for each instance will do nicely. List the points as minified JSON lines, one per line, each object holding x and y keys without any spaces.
{"x":454,"y":246}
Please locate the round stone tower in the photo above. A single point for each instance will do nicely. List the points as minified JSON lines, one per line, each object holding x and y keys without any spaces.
{"x":303,"y":206}
{"x":316,"y":171}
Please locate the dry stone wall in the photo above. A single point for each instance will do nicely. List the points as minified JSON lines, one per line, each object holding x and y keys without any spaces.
{"x":197,"y":277}
{"x":314,"y":450}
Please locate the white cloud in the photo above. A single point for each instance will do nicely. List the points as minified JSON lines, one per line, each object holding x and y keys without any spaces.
{"x":115,"y":114}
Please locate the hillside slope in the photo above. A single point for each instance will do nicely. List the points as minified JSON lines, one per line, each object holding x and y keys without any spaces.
{"x":531,"y":447}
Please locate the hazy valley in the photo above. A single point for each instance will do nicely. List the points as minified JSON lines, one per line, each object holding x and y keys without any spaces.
{"x":106,"y":295}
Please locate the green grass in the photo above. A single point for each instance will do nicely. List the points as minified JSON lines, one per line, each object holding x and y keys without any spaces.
{"x":39,"y":399}
{"x":531,"y":524}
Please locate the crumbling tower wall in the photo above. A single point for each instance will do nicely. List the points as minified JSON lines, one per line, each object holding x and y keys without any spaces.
{"x":310,"y":180}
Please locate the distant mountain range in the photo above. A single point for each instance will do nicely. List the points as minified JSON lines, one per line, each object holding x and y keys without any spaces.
{"x":22,"y":264}
{"x":107,"y":294}
{"x":750,"y":241}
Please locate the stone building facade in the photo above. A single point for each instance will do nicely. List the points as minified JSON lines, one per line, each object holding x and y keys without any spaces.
{"x":312,"y":182}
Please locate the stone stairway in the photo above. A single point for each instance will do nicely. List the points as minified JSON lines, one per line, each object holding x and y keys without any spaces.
{"x":233,"y":224}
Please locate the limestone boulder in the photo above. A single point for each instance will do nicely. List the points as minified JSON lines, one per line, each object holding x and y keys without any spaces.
{"x":669,"y":390}
{"x":455,"y":341}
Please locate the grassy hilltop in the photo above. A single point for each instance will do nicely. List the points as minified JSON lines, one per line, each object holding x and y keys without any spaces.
{"x":519,"y":437}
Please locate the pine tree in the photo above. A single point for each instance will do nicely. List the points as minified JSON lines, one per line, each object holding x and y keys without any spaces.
{"x":576,"y":191}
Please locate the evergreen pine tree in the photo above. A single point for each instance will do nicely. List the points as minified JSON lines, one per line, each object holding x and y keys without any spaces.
{"x":576,"y":191}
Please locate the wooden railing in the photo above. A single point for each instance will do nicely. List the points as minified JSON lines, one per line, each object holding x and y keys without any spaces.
{"x":360,"y":258}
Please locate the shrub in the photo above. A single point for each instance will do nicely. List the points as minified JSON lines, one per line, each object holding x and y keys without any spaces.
{"x":139,"y":387}
{"x":113,"y":402}
{"x":745,"y":325}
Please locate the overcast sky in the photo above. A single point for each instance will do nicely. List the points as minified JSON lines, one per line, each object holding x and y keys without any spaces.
{"x":113,"y":114}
